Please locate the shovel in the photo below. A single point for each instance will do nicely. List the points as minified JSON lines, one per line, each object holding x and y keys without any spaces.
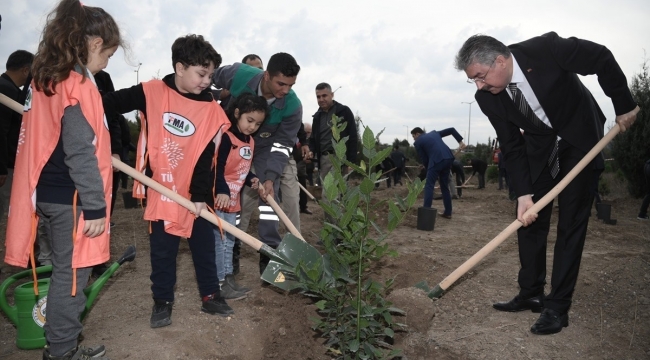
{"x":308,"y":193}
{"x":291,"y":251}
{"x":284,"y":259}
{"x":438,"y":290}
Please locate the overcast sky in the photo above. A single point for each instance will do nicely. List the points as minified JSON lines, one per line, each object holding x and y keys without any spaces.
{"x":392,"y":59}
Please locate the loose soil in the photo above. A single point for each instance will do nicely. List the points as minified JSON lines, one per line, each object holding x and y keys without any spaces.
{"x":609,"y":319}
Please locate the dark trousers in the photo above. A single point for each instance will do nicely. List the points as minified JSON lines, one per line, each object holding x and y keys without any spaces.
{"x":643,"y":212}
{"x":503,"y":179}
{"x":435,"y":172}
{"x":164,"y":250}
{"x":481,"y":180}
{"x":303,"y":197}
{"x":397,"y":176}
{"x":574,"y":207}
{"x":460,"y":179}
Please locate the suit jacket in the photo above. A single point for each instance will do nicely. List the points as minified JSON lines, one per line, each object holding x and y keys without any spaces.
{"x":551,"y":64}
{"x":432,"y":150}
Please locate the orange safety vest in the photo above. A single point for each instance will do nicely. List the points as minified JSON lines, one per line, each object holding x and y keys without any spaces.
{"x":171,"y":142}
{"x":238,"y":165}
{"x":39,"y":135}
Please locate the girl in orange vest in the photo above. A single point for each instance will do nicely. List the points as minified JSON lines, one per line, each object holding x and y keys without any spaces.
{"x":63,"y":166}
{"x":234,"y":159}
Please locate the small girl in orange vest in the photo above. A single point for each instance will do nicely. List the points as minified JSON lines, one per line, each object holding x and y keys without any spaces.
{"x":234,"y":159}
{"x":63,"y":167}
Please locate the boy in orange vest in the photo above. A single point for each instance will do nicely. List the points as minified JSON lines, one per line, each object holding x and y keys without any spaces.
{"x":181,"y":125}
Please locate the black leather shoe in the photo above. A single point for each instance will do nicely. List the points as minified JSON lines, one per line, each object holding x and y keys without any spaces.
{"x":306,"y":211}
{"x":534,"y":304}
{"x":550,"y":322}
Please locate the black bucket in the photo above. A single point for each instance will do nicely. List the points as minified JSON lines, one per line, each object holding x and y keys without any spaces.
{"x":604,"y":211}
{"x":426,"y":218}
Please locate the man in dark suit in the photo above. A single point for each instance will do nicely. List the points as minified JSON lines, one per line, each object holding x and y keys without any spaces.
{"x":561,"y":122}
{"x":436,"y":158}
{"x":478,"y":166}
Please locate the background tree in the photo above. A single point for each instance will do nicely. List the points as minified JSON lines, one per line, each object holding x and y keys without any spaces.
{"x":632,"y":148}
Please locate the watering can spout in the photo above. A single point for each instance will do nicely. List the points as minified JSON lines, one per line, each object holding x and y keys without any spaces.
{"x":92,"y":290}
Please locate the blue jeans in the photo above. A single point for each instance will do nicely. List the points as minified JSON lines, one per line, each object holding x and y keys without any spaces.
{"x":223,"y":246}
{"x":438,"y":171}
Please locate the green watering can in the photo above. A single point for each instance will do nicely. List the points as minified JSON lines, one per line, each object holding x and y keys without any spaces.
{"x":28,"y":313}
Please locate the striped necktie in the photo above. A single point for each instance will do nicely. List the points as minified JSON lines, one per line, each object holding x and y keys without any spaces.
{"x":521,"y":103}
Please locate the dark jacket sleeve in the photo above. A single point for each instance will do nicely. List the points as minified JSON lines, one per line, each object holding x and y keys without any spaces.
{"x":200,"y":186}
{"x":451,"y":131}
{"x":221,"y":186}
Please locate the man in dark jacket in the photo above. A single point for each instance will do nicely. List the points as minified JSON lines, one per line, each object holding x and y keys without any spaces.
{"x":18,"y":65}
{"x":437,"y":158}
{"x":320,"y":142}
{"x":479,"y":166}
{"x":399,"y":160}
{"x":457,"y":168}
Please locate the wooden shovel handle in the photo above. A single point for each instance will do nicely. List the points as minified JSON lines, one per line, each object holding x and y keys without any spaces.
{"x":307,"y":192}
{"x":186,"y":203}
{"x":536,"y":208}
{"x":283,"y":217}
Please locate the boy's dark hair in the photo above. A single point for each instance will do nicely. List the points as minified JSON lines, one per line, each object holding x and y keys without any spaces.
{"x":417,"y":130}
{"x":250,"y":57}
{"x":19,"y":59}
{"x":323,"y":86}
{"x":247,"y":103}
{"x":395,"y":147}
{"x":283,"y":63}
{"x":193,"y":50}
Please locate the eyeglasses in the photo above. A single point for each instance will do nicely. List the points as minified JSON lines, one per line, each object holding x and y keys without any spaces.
{"x":482,"y":78}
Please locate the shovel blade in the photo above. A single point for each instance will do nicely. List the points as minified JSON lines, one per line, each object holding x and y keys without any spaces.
{"x":280,"y":271}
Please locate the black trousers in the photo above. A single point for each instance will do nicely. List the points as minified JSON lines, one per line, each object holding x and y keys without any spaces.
{"x":574,"y":207}
{"x":164,"y":250}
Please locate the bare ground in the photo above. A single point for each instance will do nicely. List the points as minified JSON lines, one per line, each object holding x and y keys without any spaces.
{"x":609,"y":319}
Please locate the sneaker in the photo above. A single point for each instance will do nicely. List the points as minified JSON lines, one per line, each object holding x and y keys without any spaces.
{"x":229,"y":293}
{"x":216,"y":306}
{"x":78,"y":353}
{"x":161,"y":314}
{"x":230,"y":279}
{"x":643,"y":217}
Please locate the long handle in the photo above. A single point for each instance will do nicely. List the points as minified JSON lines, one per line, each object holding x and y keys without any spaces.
{"x":468,"y":179}
{"x":247,"y":239}
{"x":308,"y":193}
{"x":284,"y":217}
{"x":536,"y":208}
{"x":186,"y":203}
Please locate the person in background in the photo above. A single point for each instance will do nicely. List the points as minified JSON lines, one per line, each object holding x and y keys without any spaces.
{"x":480,"y":167}
{"x":436,"y":158}
{"x":399,"y":160}
{"x":643,"y":212}
{"x":457,"y":168}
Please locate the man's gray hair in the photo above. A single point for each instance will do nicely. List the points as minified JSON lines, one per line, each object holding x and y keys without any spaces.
{"x":480,"y":49}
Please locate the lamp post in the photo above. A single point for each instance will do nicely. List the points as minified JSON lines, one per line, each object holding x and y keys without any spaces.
{"x":137,"y":74}
{"x":469,"y":121}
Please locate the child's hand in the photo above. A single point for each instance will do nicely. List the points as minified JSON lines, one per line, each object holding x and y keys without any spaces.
{"x":221,"y":202}
{"x":94,"y":228}
{"x":200,"y":206}
{"x":255,"y":183}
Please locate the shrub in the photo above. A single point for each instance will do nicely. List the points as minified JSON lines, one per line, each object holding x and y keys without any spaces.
{"x":355,"y":317}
